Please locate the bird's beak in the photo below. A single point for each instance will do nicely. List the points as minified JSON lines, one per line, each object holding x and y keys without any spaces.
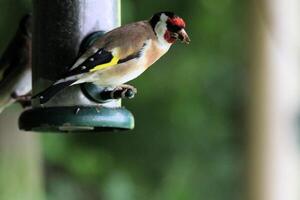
{"x":183,"y":36}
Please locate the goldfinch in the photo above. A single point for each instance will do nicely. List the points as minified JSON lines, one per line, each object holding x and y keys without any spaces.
{"x":122,"y":54}
{"x":15,"y":67}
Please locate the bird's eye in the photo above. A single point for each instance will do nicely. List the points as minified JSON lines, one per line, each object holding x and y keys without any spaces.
{"x":173,"y":28}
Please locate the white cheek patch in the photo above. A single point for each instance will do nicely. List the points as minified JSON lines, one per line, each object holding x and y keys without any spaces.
{"x":161,"y":26}
{"x":160,"y":29}
{"x":163,"y":18}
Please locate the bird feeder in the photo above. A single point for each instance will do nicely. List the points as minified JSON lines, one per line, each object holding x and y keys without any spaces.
{"x":63,"y":29}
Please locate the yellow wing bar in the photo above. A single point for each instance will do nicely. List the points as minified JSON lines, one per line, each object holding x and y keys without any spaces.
{"x":113,"y":61}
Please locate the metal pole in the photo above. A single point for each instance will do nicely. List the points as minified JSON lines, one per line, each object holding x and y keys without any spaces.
{"x":59,"y":28}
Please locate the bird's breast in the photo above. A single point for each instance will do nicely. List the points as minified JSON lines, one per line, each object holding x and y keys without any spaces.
{"x":119,"y":74}
{"x":152,"y":52}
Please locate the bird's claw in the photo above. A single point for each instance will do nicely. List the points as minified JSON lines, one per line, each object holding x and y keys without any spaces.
{"x":123,"y":91}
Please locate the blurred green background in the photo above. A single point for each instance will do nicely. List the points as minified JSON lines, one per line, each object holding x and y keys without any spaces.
{"x":188,"y":140}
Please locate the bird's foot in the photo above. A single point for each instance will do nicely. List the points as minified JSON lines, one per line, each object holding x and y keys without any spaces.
{"x":123,"y":91}
{"x":128,"y":87}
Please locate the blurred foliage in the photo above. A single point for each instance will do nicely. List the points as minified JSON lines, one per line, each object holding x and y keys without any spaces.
{"x":188,"y":139}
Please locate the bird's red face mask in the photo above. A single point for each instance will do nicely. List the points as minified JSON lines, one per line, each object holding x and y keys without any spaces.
{"x":175,"y":30}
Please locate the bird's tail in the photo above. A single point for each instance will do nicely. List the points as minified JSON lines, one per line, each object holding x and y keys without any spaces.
{"x":51,"y":91}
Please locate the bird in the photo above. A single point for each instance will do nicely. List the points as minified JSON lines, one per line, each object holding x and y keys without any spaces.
{"x":15,"y":67}
{"x":122,"y":54}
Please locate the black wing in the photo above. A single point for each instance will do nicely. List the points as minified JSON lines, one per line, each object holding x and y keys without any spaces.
{"x":100,"y":57}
